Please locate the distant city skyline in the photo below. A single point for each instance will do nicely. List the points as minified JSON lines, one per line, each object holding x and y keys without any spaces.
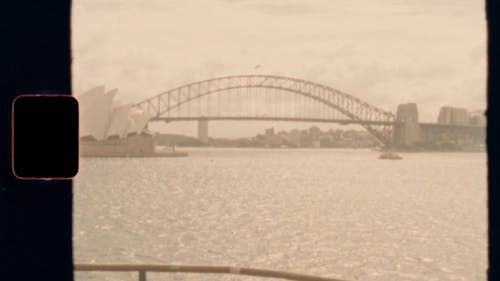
{"x":384,"y":52}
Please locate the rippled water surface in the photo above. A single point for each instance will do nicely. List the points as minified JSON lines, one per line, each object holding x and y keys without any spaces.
{"x":334,"y":213}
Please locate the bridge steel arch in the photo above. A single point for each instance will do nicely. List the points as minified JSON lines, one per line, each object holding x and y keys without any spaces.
{"x":376,"y":121}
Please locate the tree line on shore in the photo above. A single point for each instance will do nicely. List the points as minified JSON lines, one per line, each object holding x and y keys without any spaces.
{"x":312,"y":137}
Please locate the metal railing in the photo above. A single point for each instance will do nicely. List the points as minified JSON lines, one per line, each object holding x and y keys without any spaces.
{"x":142,"y":269}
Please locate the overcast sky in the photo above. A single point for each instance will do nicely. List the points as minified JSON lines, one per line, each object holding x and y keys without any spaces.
{"x":385,"y":52}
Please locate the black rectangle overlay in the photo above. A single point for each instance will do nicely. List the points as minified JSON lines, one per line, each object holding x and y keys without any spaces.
{"x":45,"y":136}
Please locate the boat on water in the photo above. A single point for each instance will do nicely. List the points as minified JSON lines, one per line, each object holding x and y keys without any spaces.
{"x":164,"y":151}
{"x":390,"y":155}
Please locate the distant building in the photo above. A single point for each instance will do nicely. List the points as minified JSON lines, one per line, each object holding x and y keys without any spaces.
{"x":453,"y":116}
{"x":316,"y":144}
{"x":477,"y":120}
{"x":294,"y":138}
{"x":269,"y":132}
{"x":314,"y":132}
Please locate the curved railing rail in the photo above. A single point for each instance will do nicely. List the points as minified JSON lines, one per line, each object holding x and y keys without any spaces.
{"x":142,"y":269}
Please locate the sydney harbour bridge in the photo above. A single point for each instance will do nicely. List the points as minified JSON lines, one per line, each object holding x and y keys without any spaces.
{"x":278,"y":98}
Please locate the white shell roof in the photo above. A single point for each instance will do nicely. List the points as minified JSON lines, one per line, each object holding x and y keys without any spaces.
{"x":101,"y":117}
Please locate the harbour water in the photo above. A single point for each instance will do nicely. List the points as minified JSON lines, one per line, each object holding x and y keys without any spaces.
{"x":334,"y":213}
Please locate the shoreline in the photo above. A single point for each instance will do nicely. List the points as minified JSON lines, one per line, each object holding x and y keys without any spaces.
{"x":329,"y":148}
{"x":155,"y":155}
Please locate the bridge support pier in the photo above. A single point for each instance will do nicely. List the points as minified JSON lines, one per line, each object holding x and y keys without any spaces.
{"x":203,"y":131}
{"x":408,"y":133}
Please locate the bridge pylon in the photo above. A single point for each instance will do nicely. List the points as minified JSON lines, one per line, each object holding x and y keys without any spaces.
{"x":203,"y":131}
{"x":407,"y":130}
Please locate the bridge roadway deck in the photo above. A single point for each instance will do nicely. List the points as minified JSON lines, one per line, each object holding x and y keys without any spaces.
{"x":264,"y":118}
{"x":451,"y":126}
{"x":319,"y":120}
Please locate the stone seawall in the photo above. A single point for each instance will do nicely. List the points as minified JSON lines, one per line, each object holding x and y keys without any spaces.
{"x":135,"y":145}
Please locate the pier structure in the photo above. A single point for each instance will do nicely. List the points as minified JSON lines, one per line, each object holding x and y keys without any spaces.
{"x":203,"y":131}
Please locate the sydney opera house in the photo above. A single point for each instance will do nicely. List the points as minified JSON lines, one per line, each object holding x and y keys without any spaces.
{"x":108,"y":128}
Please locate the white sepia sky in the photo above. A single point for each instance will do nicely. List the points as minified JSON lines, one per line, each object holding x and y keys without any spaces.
{"x":385,"y":52}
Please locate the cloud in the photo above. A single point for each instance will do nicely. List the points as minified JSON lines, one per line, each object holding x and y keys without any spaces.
{"x":277,"y":7}
{"x":117,"y":5}
{"x":428,"y":7}
{"x":429,"y":71}
{"x":283,"y":9}
{"x":364,"y":50}
{"x":346,"y":51}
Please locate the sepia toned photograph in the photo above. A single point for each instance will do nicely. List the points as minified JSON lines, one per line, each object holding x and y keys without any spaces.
{"x":280,"y":140}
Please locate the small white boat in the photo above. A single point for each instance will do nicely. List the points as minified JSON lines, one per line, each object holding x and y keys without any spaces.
{"x":389,"y":155}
